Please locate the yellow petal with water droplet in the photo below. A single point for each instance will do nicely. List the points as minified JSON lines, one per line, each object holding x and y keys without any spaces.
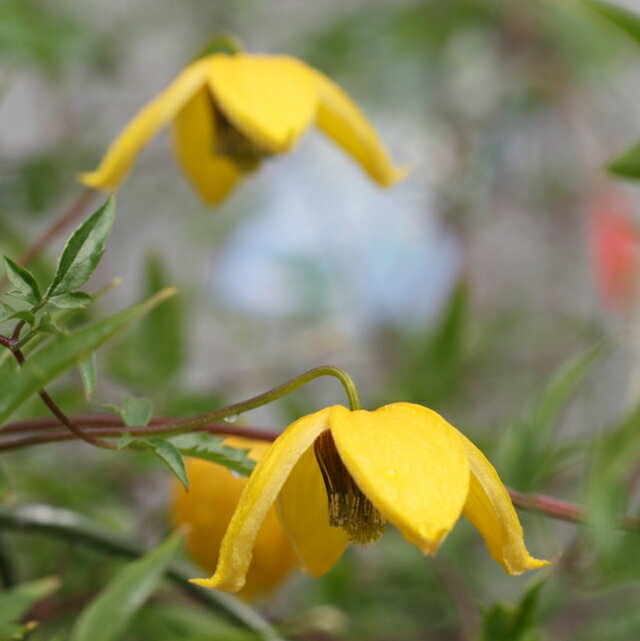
{"x":410,"y":463}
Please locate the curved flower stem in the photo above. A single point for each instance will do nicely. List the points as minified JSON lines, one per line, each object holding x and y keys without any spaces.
{"x":185,"y":425}
{"x":70,"y":526}
{"x":190,"y":424}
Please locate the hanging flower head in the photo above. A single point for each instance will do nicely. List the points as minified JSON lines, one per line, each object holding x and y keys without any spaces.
{"x":339,"y":475}
{"x":229,"y":112}
{"x":207,"y":509}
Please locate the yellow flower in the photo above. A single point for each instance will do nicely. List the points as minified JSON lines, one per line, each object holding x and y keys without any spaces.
{"x":207,"y":509}
{"x":229,"y":112}
{"x":338,"y":475}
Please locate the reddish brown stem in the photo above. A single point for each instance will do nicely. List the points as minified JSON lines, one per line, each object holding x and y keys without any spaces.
{"x":49,"y":436}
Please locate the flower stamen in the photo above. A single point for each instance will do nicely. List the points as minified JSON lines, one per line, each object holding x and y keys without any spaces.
{"x":349,"y":508}
{"x":231,"y":142}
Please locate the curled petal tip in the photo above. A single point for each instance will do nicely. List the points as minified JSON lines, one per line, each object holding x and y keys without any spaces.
{"x":398,"y":175}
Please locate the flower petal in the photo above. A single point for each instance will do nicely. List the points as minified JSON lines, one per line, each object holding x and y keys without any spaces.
{"x":207,"y":509}
{"x":341,"y":119}
{"x":261,"y":491}
{"x":118,"y":159}
{"x":410,"y":463}
{"x":194,"y":142}
{"x":490,"y":510}
{"x":270,"y":99}
{"x":303,"y":510}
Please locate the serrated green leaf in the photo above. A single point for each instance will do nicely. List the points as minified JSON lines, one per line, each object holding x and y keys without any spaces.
{"x":109,"y":614}
{"x":71,"y":300}
{"x":170,"y":455}
{"x":24,"y":282}
{"x":626,"y":164}
{"x":88,"y":375}
{"x":63,"y":353}
{"x":210,"y":448}
{"x":18,"y":600}
{"x":83,"y":251}
{"x":624,"y":19}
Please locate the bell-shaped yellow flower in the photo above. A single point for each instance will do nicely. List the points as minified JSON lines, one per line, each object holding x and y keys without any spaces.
{"x":207,"y":509}
{"x":231,"y":111}
{"x":338,"y":475}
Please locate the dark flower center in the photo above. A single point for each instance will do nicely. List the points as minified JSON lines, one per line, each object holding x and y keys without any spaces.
{"x":231,"y":142}
{"x":349,"y":508}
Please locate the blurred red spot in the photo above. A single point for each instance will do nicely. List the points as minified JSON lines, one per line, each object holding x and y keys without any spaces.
{"x":615,"y":244}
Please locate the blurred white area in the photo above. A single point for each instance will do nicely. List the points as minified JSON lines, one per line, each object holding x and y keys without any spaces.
{"x":329,"y":244}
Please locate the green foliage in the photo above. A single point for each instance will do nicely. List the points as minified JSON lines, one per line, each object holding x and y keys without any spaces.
{"x":109,"y":614}
{"x":63,"y":353}
{"x":210,"y":448}
{"x":24,"y":284}
{"x":627,"y":163}
{"x":135,"y":412}
{"x":88,"y":369}
{"x":503,"y":622}
{"x":83,"y":252}
{"x":626,"y":20}
{"x":431,"y":363}
{"x":16,"y":602}
{"x":147,"y":365}
{"x":530,"y":448}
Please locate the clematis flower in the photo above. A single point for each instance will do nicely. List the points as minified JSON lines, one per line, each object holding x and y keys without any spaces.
{"x":207,"y":509}
{"x":339,"y":475}
{"x":229,"y":112}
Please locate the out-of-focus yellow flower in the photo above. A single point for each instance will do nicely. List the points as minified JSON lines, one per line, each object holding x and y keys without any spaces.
{"x":337,"y":475}
{"x":207,"y":509}
{"x":229,"y":112}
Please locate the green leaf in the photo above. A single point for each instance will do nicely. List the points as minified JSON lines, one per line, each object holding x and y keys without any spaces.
{"x":24,"y":282}
{"x":109,"y":614}
{"x":168,"y":454}
{"x":210,"y":448}
{"x":47,"y":324}
{"x":17,"y":601}
{"x":626,"y":20}
{"x":155,"y":350}
{"x":529,"y":447}
{"x":71,"y":300}
{"x":626,"y":164}
{"x":503,"y":622}
{"x":63,"y":353}
{"x":9,"y":313}
{"x":563,"y":385}
{"x":136,"y":412}
{"x":88,"y":375}
{"x":83,"y":251}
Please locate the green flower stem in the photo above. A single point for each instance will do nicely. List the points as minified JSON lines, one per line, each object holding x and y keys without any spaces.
{"x":70,"y":526}
{"x":190,"y":424}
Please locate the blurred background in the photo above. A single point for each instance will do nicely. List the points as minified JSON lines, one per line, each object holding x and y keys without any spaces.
{"x":497,"y":285}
